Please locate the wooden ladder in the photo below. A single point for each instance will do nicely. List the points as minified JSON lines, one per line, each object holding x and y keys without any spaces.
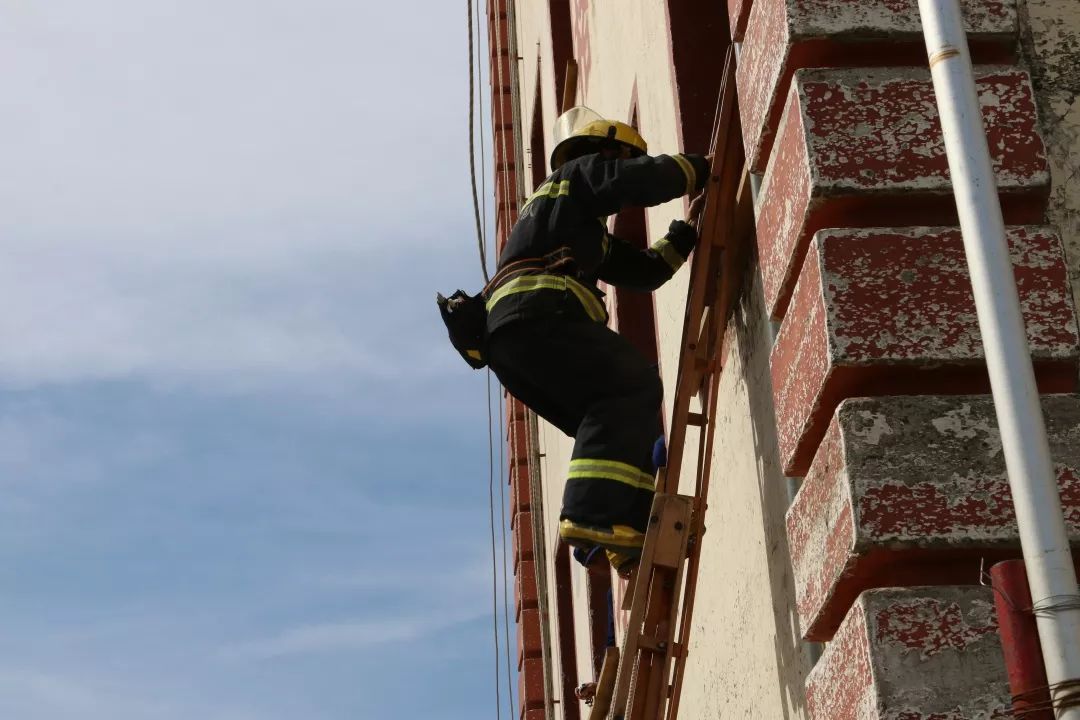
{"x":649,"y":675}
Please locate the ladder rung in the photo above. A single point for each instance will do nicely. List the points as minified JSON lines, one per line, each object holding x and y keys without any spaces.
{"x":653,"y":645}
{"x":698,"y":419}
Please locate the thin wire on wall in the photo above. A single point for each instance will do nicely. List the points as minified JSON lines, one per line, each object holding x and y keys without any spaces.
{"x":481,"y":244}
{"x":472,"y":146}
{"x":481,"y":216}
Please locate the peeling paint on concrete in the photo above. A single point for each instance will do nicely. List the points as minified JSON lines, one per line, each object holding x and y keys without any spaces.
{"x":901,"y":108}
{"x":914,"y":654}
{"x":787,"y":35}
{"x":935,"y":486}
{"x":890,"y":311}
{"x":1050,"y":39}
{"x":905,"y":295}
{"x":890,"y":175}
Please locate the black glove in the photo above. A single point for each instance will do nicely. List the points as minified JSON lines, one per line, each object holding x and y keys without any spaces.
{"x":701,"y":167}
{"x":682,"y":236}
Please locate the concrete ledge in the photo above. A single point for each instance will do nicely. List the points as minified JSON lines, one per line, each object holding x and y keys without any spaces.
{"x":862,"y":148}
{"x":783,"y":36}
{"x":890,"y":312}
{"x":913,"y":654}
{"x":912,"y":491}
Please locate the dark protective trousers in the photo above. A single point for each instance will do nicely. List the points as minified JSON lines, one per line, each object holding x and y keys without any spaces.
{"x":595,"y":386}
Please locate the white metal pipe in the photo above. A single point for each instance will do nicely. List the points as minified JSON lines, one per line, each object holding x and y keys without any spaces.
{"x":1012,"y":379}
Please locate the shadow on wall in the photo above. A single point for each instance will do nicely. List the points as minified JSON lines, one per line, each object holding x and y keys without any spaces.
{"x":753,"y":337}
{"x":1049,"y":36}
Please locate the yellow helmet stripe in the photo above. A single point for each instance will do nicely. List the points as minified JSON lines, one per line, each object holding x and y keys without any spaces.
{"x":688,"y":170}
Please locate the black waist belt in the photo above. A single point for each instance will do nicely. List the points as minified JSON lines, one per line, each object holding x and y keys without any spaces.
{"x":546,"y":273}
{"x":557,"y":262}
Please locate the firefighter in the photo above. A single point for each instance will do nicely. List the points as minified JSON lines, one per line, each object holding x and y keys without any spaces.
{"x":548,"y":340}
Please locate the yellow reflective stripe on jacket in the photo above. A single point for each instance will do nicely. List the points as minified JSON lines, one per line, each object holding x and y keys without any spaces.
{"x":528,"y":283}
{"x":611,"y":470}
{"x":621,"y":536}
{"x":593,"y":306}
{"x":666,"y":250}
{"x":688,"y":170}
{"x":550,"y":189}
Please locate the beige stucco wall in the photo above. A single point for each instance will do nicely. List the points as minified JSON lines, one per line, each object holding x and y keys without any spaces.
{"x":745,"y":657}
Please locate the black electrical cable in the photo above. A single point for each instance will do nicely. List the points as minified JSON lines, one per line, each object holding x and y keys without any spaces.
{"x":472,"y":146}
{"x":506,"y":581}
{"x":494,"y":570}
{"x":480,"y":211}
{"x":480,"y":236}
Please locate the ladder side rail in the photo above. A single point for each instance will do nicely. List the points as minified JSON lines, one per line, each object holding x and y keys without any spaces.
{"x":686,"y":385}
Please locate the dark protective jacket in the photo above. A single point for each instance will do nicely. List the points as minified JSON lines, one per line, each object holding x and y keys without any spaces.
{"x":560,"y":246}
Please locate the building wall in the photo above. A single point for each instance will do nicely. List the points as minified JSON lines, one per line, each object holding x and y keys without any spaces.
{"x":747,"y":657}
{"x":1050,"y":39}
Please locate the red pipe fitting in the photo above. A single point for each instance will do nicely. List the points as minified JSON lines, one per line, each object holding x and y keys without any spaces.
{"x":1020,"y":641}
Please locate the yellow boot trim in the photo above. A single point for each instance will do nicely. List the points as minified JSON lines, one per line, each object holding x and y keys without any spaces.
{"x":621,"y":537}
{"x":623,"y":562}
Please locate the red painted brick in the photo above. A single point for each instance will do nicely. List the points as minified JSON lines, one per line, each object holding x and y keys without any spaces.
{"x":522,"y":538}
{"x":517,"y":438}
{"x":502,"y":227}
{"x":525,"y":594}
{"x":786,"y":35}
{"x":738,"y":15}
{"x":515,"y":409}
{"x":535,"y":715}
{"x":502,"y":106}
{"x":506,"y":197}
{"x":498,"y":34}
{"x":912,"y":491}
{"x":916,"y":654}
{"x":520,"y":495}
{"x":528,"y":636}
{"x":502,"y":146}
{"x":890,"y":312}
{"x":531,"y":685}
{"x":862,"y":148}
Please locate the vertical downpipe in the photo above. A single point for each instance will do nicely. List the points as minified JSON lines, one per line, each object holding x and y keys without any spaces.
{"x":1020,"y":641}
{"x":1012,"y":380}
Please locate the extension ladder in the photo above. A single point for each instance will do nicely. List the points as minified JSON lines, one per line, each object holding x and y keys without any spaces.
{"x":644,"y":680}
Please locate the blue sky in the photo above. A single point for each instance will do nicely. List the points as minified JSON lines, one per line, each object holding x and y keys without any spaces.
{"x":244,"y":477}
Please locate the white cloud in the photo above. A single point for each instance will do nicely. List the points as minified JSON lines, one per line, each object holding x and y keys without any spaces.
{"x":208,"y":197}
{"x":138,"y":114}
{"x":347,"y":636}
{"x":224,"y":194}
{"x":33,"y":694}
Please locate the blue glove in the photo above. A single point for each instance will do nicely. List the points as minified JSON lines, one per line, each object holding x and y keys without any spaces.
{"x":659,"y":453}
